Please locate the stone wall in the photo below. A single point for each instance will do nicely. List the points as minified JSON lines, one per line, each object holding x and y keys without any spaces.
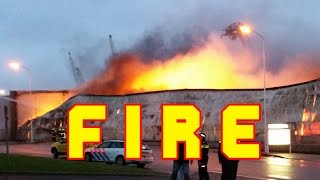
{"x":284,"y":104}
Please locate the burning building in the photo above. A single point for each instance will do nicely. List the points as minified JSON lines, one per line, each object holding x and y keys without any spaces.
{"x":26,"y":107}
{"x":286,"y":104}
{"x":208,"y":73}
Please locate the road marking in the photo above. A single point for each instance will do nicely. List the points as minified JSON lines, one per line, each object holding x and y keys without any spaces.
{"x":279,"y":176}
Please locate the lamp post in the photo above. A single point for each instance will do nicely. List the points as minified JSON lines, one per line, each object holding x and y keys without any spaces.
{"x":264,"y":95}
{"x":238,"y":30}
{"x":16,"y":67}
{"x":2,"y":92}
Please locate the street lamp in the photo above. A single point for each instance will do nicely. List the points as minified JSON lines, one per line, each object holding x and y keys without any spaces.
{"x":2,"y":92}
{"x":245,"y":29}
{"x":16,"y":66}
{"x":238,"y":30}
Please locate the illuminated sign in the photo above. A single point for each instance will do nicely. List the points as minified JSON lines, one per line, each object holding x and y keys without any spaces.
{"x":279,"y":134}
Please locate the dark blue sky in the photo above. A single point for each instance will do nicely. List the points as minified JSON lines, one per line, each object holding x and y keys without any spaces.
{"x":38,"y":32}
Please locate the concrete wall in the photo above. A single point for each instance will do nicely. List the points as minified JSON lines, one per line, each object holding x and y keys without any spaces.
{"x":3,"y":103}
{"x":284,"y":104}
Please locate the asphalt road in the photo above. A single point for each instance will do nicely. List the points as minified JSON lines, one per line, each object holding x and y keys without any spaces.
{"x":265,"y":168}
{"x":213,"y":176}
{"x":80,"y":177}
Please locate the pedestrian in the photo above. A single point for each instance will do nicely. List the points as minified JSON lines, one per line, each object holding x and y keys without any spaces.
{"x":180,"y":174}
{"x":203,"y":162}
{"x":229,"y":167}
{"x":180,"y":163}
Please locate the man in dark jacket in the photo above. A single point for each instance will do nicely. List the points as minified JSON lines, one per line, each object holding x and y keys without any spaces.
{"x":229,"y":167}
{"x":180,"y":163}
{"x":203,"y":162}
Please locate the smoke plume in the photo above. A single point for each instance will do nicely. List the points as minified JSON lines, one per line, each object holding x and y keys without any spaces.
{"x":291,"y":56}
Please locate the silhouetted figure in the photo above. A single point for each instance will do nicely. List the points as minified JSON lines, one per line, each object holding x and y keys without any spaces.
{"x":180,"y":163}
{"x":229,"y":167}
{"x":203,"y":162}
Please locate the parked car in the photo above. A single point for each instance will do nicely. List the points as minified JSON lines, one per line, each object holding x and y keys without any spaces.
{"x":60,"y":146}
{"x":112,"y":151}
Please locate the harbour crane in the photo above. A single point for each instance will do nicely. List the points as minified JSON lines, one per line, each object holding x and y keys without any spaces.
{"x":76,"y":73}
{"x":113,"y":51}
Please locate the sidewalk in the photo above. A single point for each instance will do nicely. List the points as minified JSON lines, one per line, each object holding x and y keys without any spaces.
{"x":15,"y":143}
{"x":294,"y":156}
{"x":297,"y":156}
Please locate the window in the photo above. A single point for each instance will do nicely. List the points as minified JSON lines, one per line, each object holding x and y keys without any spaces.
{"x":63,"y":140}
{"x":145,"y":147}
{"x":104,"y":145}
{"x":121,"y":145}
{"x":116,"y":145}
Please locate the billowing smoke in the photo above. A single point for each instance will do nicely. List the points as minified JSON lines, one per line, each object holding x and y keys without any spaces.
{"x":117,"y":77}
{"x":290,"y":50}
{"x":161,"y":46}
{"x":303,"y":67}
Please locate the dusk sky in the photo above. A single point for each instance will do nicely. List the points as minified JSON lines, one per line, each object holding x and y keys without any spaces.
{"x":38,"y":33}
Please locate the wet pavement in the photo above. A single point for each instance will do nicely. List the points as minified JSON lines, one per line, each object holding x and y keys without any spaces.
{"x":298,"y":156}
{"x":295,"y":166}
{"x":213,"y":176}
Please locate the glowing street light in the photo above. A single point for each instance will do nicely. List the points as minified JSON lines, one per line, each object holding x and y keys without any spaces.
{"x":237,"y":30}
{"x":245,"y":29}
{"x":16,"y":66}
{"x":2,"y":92}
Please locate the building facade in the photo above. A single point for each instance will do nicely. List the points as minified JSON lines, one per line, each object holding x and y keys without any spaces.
{"x":7,"y":125}
{"x":296,"y":104}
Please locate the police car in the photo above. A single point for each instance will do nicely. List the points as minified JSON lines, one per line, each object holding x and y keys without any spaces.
{"x":112,"y":151}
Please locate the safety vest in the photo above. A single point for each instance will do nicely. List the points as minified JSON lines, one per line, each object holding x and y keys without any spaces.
{"x":205,"y":146}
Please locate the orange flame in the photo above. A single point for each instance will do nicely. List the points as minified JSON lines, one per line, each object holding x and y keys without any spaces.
{"x":212,"y":66}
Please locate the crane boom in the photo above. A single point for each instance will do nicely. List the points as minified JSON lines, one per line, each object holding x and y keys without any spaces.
{"x":112,"y":46}
{"x":80,"y":76}
{"x":76,"y":73}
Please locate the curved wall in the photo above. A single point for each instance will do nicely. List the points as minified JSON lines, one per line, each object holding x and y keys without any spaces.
{"x":284,"y":104}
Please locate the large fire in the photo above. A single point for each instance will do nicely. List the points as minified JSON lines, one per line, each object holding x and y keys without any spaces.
{"x":38,"y":104}
{"x":211,"y":66}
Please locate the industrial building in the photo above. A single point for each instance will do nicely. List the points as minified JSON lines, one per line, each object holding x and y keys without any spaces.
{"x":297,"y":104}
{"x":23,"y":106}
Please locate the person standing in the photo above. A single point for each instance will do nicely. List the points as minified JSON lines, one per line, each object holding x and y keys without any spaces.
{"x":180,"y":163}
{"x":203,"y":162}
{"x":229,"y":167}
